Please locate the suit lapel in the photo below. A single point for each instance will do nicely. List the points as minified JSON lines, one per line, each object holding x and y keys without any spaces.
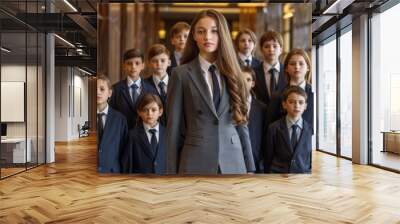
{"x":160,"y":141}
{"x":282,"y":78}
{"x":125,"y":93}
{"x":224,"y":104}
{"x":173,"y":60}
{"x":285,"y":133}
{"x":197,"y":77}
{"x":253,"y":108}
{"x":302,"y":139}
{"x":254,"y":62}
{"x":109,"y":121}
{"x":262,"y":83}
{"x":144,"y":141}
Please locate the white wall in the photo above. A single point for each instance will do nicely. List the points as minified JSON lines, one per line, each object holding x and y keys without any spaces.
{"x":71,"y":102}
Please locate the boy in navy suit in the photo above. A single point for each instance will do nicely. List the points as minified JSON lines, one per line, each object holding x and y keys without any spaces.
{"x":158,"y":62}
{"x":256,"y":113}
{"x":112,"y":130}
{"x":245,"y":43}
{"x":178,"y":36}
{"x":127,"y":92}
{"x":146,"y":148}
{"x":289,"y":138}
{"x":270,"y":76}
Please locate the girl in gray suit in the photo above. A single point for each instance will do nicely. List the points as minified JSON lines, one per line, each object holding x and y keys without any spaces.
{"x":206,"y":128}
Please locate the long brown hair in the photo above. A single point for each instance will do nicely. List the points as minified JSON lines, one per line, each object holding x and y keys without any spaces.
{"x":226,"y":62}
{"x":303,"y":53}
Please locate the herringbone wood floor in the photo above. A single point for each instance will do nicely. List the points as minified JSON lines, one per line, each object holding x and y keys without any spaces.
{"x":71,"y":191}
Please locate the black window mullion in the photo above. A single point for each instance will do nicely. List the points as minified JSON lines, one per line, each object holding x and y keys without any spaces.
{"x":338,"y":94}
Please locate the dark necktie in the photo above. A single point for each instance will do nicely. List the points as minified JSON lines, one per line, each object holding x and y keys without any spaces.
{"x":135,"y":94}
{"x":247,"y":61}
{"x":161,"y":85}
{"x":216,"y":89}
{"x":100,"y":127}
{"x":153,"y":141}
{"x":293,"y":138}
{"x":273,"y":82}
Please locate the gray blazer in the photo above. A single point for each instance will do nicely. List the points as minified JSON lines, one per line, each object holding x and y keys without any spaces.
{"x":200,"y":139}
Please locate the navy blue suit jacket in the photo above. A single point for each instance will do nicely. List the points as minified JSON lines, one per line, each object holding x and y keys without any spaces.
{"x":113,"y":143}
{"x":254,"y":62}
{"x":275,"y":110}
{"x":174,"y":63}
{"x":280,"y":157}
{"x":257,"y":130}
{"x":142,"y":159}
{"x":122,"y":102}
{"x":153,"y":90}
{"x":261,"y":89}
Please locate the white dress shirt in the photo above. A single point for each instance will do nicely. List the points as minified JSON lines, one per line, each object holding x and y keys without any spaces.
{"x":138,"y":83}
{"x":157,"y":80}
{"x":267,"y":67}
{"x":205,"y":65}
{"x":104,"y":117}
{"x":178,"y":57}
{"x":244,"y":57}
{"x":290,"y":122}
{"x":148,"y":133}
{"x":301,"y":85}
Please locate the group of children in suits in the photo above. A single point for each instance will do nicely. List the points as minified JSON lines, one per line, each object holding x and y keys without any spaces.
{"x":280,"y":97}
{"x":132,"y":123}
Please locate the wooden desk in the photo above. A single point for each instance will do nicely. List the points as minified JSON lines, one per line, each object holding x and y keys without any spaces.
{"x":391,"y":141}
{"x":13,"y":150}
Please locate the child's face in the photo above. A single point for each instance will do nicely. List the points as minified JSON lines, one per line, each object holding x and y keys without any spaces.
{"x":159,"y":64}
{"x":133,"y":67}
{"x":246,"y":44}
{"x":179,"y":40}
{"x":295,"y":105}
{"x":206,"y":35}
{"x":297,"y":67}
{"x":103,"y":92}
{"x":248,"y":80}
{"x":151,"y":113}
{"x":271,"y":51}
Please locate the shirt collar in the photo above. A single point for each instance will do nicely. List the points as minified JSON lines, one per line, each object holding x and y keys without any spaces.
{"x":158,"y":80}
{"x":105,"y":111}
{"x":147,"y":127}
{"x":290,"y":122}
{"x":243,"y":57}
{"x":267,"y":66}
{"x":204,"y":64}
{"x":249,"y":99}
{"x":177,"y":56}
{"x":301,"y":85}
{"x":131,"y":82}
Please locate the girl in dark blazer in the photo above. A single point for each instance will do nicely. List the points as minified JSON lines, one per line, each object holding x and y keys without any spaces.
{"x":297,"y":70}
{"x":257,"y":120}
{"x":112,"y":130}
{"x":146,"y":148}
{"x":207,"y":123}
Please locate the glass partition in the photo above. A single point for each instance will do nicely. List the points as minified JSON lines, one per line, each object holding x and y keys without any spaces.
{"x":327,"y":96}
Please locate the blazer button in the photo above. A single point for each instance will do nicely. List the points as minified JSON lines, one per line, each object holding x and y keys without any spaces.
{"x":216,"y":122}
{"x":293,"y":161}
{"x":155,"y":163}
{"x":199,"y":112}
